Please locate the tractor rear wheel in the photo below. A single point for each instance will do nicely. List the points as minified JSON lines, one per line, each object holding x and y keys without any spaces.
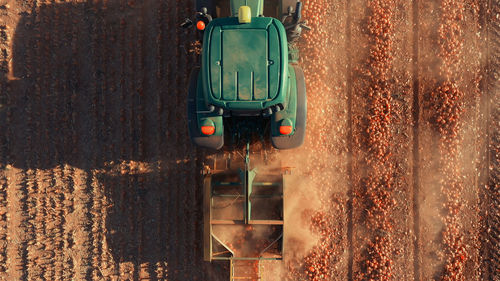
{"x":297,"y":139}
{"x":212,"y":142}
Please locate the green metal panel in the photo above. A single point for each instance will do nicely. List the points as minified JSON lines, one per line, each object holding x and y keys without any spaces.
{"x":275,"y":53}
{"x":257,"y":6}
{"x":244,"y":61}
{"x":215,"y":61}
{"x":244,"y":66}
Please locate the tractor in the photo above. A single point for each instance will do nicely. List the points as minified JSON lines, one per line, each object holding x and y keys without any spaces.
{"x":249,"y":86}
{"x":249,"y":83}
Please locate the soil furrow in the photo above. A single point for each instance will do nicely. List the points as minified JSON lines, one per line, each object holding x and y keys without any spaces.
{"x":119,"y":196}
{"x":33,"y":270}
{"x":110,"y":119}
{"x":4,"y":145}
{"x":149,"y":135}
{"x":162,"y":114}
{"x":429,"y":196}
{"x":180,"y":223}
{"x":188,"y":155}
{"x":68,"y":243}
{"x":133,"y":145}
{"x":416,"y":153}
{"x":31,"y":160}
{"x":171,"y":183}
{"x":81,"y":216}
{"x":86,"y":130}
{"x":15,"y":240}
{"x":350,"y":145}
{"x":72,"y":262}
{"x":58,"y":135}
{"x":58,"y":219}
{"x":43,"y":220}
{"x":43,"y":249}
{"x":139,"y":126}
{"x":98,"y":130}
{"x":402,"y":147}
{"x":490,"y":186}
{"x":3,"y":221}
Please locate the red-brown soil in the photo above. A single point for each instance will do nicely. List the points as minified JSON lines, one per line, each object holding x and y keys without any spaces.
{"x":398,"y":178}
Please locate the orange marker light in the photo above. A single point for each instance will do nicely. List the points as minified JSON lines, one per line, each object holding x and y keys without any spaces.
{"x":208,"y":130}
{"x":286,"y":130}
{"x":200,"y":25}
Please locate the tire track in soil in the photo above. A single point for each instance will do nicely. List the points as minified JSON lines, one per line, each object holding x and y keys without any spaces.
{"x":179,"y":223}
{"x":429,"y":198}
{"x":402,"y":143}
{"x":151,"y":133}
{"x":59,"y":124}
{"x":416,"y":144}
{"x":18,"y":184}
{"x":350,"y":145}
{"x":57,"y":221}
{"x":60,"y":131}
{"x":321,"y":252}
{"x":162,"y":115}
{"x":4,"y":70}
{"x":94,"y":206}
{"x":71,"y":213}
{"x":51,"y":158}
{"x":82,"y":235}
{"x":16,"y":244}
{"x":136,"y":141}
{"x":119,"y":202}
{"x":191,"y":180}
{"x":33,"y":117}
{"x":111,"y":115}
{"x":489,"y":185}
{"x":134,"y":130}
{"x":473,"y":136}
{"x":14,"y":226}
{"x":43,"y":246}
{"x":144,"y":176}
{"x":98,"y":128}
{"x":85,"y":147}
{"x":170,"y":140}
{"x":128,"y":266}
{"x":150,"y":139}
{"x":108,"y":132}
{"x":3,"y":220}
{"x":68,"y":243}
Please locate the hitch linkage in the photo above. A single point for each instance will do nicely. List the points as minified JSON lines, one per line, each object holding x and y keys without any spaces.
{"x":294,"y":25}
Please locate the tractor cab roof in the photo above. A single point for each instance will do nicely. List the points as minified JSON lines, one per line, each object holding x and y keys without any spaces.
{"x":244,"y":66}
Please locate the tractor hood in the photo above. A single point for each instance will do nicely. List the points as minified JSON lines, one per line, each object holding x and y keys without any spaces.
{"x":244,"y":66}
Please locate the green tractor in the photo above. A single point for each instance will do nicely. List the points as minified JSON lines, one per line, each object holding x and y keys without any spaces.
{"x":249,"y":83}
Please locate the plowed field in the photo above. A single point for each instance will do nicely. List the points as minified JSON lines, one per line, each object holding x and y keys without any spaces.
{"x":398,"y":179}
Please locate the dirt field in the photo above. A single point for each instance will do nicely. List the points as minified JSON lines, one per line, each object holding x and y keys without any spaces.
{"x":398,"y":178}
